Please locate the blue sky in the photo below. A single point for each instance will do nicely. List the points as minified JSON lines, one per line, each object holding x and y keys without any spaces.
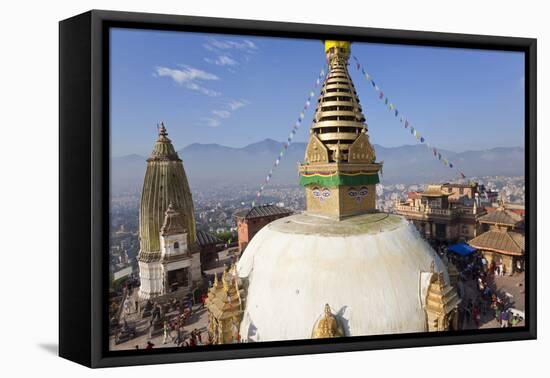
{"x":235,"y":90}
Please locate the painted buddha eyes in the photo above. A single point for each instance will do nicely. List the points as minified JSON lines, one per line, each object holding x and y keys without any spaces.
{"x":363,"y":191}
{"x":321,"y":194}
{"x":358,"y":194}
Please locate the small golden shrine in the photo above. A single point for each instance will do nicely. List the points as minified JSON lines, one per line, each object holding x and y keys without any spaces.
{"x":225,"y":308}
{"x":441,"y":305}
{"x":340,"y":173}
{"x":328,"y":326}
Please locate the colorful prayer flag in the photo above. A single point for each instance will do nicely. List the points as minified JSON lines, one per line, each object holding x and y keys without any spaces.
{"x":392,"y":107}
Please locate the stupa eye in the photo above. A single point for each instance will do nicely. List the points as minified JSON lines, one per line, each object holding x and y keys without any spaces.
{"x":363,"y":191}
{"x":326,"y":193}
{"x":316,"y":192}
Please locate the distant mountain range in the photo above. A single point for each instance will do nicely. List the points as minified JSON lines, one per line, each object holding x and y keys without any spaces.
{"x":214,"y":164}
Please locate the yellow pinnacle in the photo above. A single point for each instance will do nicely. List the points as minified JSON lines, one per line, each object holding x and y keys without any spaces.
{"x":340,"y":44}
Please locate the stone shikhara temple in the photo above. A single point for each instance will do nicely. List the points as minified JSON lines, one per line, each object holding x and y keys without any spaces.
{"x":341,"y":268}
{"x":169,"y":258}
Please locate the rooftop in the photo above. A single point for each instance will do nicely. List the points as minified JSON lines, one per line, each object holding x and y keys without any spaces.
{"x":262,"y":211}
{"x":506,"y":242}
{"x":502,"y":216}
{"x":434,"y":191}
{"x":459,"y":185}
{"x":205,"y":238}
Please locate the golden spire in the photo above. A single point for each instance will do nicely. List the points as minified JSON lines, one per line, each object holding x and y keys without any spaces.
{"x":338,"y":120}
{"x":442,"y":303}
{"x":225,"y":282}
{"x":233,"y":270}
{"x":327,"y":326}
{"x":339,"y":157}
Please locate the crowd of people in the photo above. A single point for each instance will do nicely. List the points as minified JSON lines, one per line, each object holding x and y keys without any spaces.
{"x":486,"y":302}
{"x":167,"y":319}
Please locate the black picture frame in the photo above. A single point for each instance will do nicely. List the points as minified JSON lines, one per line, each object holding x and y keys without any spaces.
{"x":84,"y":185}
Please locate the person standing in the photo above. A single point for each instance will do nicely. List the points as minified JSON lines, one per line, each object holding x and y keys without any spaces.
{"x":166,"y":332}
{"x":498,"y":313}
{"x":477,"y":316}
{"x":504,"y":319}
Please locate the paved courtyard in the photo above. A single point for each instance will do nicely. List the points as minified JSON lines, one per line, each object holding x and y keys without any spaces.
{"x":510,"y":289}
{"x":198,"y":318}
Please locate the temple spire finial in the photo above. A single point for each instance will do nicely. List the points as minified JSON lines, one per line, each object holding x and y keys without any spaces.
{"x":327,"y":326}
{"x":162,"y":130}
{"x":337,"y":51}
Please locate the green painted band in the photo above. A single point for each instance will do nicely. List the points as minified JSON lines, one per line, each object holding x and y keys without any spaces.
{"x":338,"y":180}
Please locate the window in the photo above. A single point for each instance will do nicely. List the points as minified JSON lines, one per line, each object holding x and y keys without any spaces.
{"x":176,"y":245}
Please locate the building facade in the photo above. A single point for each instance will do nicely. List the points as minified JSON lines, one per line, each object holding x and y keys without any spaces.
{"x":250,"y":221}
{"x":445,"y":213}
{"x":209,"y":246}
{"x":169,"y":258}
{"x":503,"y":242}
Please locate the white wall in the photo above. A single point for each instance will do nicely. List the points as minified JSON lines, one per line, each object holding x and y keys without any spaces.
{"x":29,"y":189}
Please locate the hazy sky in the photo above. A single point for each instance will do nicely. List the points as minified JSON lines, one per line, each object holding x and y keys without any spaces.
{"x":234,"y":91}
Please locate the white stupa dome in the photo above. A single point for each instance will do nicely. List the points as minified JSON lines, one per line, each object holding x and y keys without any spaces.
{"x":373,"y":270}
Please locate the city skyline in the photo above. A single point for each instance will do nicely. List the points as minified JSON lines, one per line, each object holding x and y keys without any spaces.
{"x":235,"y":91}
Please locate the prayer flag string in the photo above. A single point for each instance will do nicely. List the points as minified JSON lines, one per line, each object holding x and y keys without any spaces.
{"x":402,"y":119}
{"x":291,"y":135}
